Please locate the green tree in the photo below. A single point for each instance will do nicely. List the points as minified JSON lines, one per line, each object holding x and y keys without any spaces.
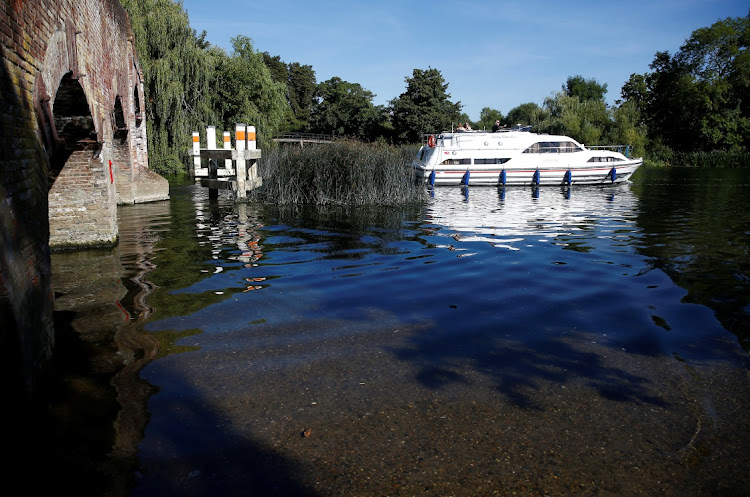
{"x":177,"y":71}
{"x":278,"y":68}
{"x":585,"y":89}
{"x":697,"y":99}
{"x":424,"y":107}
{"x":635,"y":91}
{"x":627,"y":128}
{"x":247,"y":93}
{"x":487,"y":118}
{"x":343,"y":108}
{"x":563,"y":114}
{"x":300,"y":84}
{"x":464,"y":118}
{"x":523,"y":114}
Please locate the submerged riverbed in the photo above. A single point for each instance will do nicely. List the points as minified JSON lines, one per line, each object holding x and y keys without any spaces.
{"x":590,"y":341}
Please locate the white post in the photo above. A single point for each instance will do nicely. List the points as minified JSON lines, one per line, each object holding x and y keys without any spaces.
{"x":240,"y":169}
{"x":251,"y":138}
{"x":211,"y":137}
{"x":196,"y":153}
{"x":252,"y":169}
{"x":227,"y":146}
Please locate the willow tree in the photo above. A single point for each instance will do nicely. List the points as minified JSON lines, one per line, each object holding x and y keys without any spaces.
{"x":586,"y":121}
{"x":176,"y":70}
{"x":591,"y":121}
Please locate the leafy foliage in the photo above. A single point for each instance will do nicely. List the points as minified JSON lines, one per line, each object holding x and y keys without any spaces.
{"x":487,"y":118}
{"x":591,"y":121}
{"x":343,"y":109}
{"x":523,"y":114}
{"x":585,"y":89}
{"x":300,"y":84}
{"x":246,"y":92}
{"x":424,"y":107}
{"x":697,"y":99}
{"x":176,"y":75}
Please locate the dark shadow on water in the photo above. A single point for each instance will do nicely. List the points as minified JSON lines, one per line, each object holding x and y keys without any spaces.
{"x":71,"y":435}
{"x":67,"y":430}
{"x":190,"y":450}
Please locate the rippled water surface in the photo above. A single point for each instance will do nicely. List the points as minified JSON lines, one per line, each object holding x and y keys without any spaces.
{"x":552,"y":341}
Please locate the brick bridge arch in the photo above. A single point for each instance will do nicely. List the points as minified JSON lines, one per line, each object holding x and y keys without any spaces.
{"x":73,"y":146}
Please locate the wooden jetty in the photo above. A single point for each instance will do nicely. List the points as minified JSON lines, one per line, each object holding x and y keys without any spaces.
{"x":227,"y":168}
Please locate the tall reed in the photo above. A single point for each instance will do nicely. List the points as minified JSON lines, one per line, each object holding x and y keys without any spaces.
{"x":715,"y":158}
{"x":341,"y":173}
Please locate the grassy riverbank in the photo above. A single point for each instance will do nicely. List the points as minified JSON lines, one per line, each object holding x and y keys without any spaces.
{"x":341,"y":173}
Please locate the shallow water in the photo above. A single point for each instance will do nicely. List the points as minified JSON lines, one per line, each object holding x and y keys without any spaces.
{"x":550,"y":341}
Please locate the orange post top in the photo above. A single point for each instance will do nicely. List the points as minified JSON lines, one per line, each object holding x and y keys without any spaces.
{"x":251,"y":136}
{"x":196,"y":138}
{"x":227,"y":138}
{"x":240,"y":135}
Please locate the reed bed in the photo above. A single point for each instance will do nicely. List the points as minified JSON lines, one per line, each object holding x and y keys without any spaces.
{"x":342,"y":173}
{"x":715,"y":159}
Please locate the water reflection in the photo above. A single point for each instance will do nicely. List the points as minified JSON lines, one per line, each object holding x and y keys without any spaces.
{"x":102,"y":303}
{"x":232,"y":235}
{"x":695,"y":223}
{"x":511,"y":218}
{"x":482,"y":328}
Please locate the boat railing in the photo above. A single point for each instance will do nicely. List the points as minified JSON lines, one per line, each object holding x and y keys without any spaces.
{"x":623,"y":149}
{"x":520,"y":127}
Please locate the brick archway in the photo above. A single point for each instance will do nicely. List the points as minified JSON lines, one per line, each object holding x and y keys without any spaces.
{"x":82,"y":206}
{"x":71,"y":99}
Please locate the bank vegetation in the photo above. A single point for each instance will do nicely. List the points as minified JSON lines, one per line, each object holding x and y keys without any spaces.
{"x":691,"y":109}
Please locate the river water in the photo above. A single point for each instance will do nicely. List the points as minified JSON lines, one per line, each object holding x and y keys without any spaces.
{"x":590,"y":341}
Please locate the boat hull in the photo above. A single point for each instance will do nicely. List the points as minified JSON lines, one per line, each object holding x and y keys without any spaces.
{"x":601,"y":174}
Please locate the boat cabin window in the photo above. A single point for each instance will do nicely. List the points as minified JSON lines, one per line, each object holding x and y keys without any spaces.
{"x":605,"y":159}
{"x":491,"y":161}
{"x":552,"y":148}
{"x":454,"y":162}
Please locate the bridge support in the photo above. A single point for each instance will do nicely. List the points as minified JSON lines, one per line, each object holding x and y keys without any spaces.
{"x":73,"y":134}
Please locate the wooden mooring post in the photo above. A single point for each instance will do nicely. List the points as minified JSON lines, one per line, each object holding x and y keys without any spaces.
{"x":227,"y":168}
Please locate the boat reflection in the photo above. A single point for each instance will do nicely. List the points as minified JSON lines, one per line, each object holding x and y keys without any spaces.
{"x":511,"y":217}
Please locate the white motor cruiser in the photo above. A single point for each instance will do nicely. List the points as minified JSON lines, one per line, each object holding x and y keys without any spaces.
{"x":519,"y":157}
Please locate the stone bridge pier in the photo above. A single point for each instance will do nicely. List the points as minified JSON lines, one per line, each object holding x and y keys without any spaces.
{"x":73,"y":146}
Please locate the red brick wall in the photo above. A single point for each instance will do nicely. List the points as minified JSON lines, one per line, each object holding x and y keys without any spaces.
{"x":41,"y":41}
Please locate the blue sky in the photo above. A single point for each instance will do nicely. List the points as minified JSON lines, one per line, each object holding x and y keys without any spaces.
{"x":496,"y":54}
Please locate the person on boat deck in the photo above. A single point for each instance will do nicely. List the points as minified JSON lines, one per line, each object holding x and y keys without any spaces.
{"x":496,"y":126}
{"x":467,"y":127}
{"x":460,"y":127}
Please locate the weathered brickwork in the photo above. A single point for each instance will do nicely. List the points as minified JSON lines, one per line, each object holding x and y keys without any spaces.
{"x":73,"y":144}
